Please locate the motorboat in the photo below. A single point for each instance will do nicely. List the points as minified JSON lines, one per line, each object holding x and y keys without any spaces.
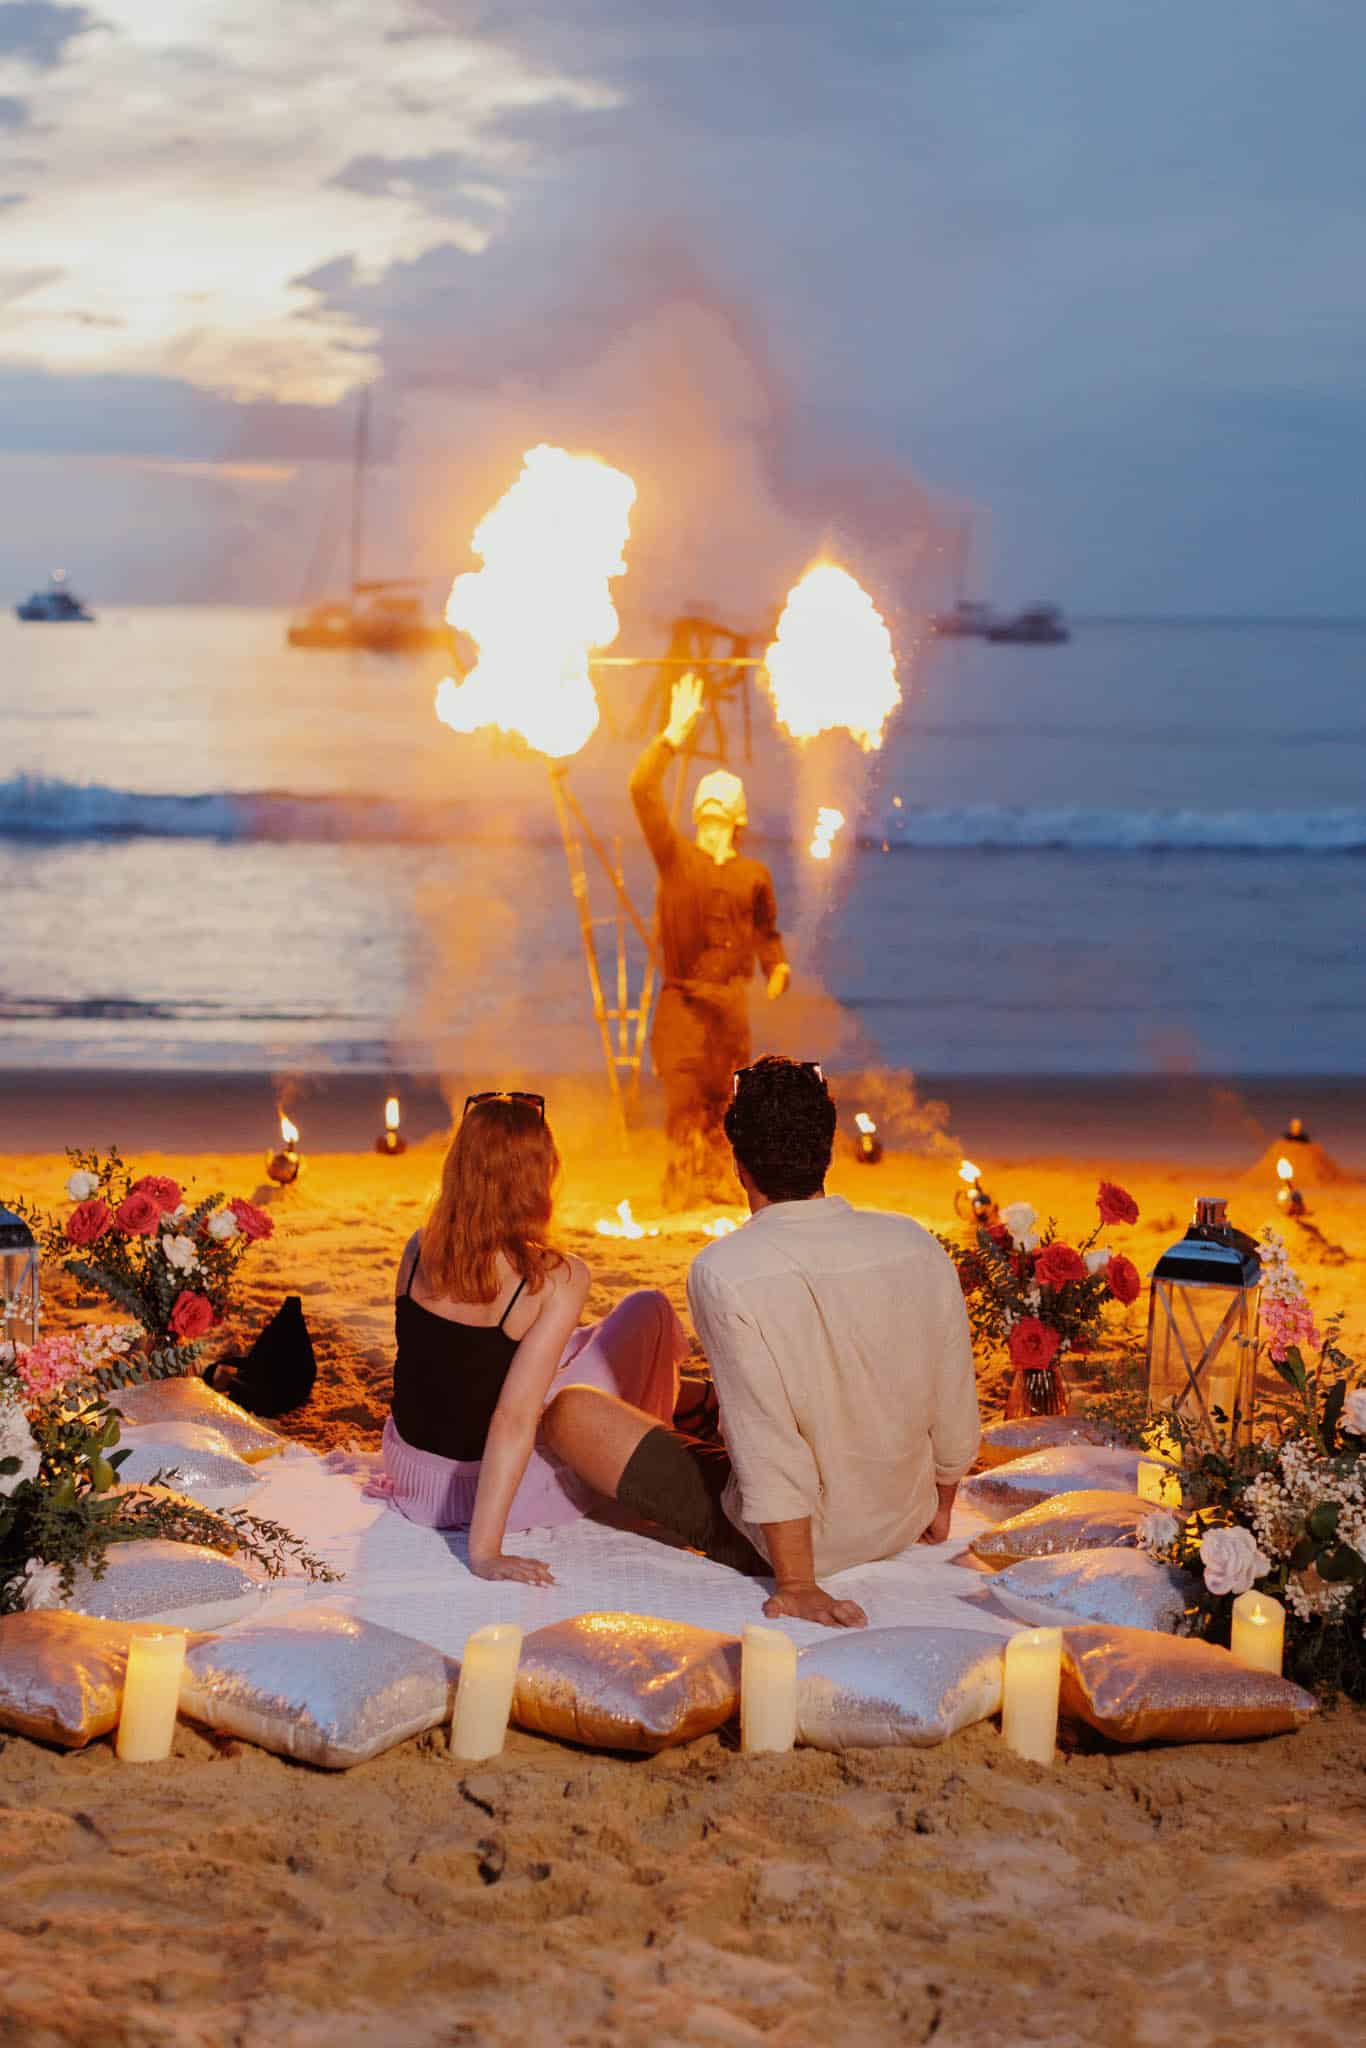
{"x":967,"y":621}
{"x":58,"y":605}
{"x":1038,"y":625}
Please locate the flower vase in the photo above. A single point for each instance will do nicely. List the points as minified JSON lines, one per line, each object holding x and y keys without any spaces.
{"x":1037,"y":1391}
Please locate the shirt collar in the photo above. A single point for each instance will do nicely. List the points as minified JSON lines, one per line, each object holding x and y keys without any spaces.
{"x":780,"y":1213}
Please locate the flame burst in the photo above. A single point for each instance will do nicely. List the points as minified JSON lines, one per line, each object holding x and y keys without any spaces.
{"x":541,"y":602}
{"x":832,"y":667}
{"x":828,"y":823}
{"x":623,"y":1224}
{"x":969,"y":1173}
{"x":720,"y":1226}
{"x":865,"y":1123}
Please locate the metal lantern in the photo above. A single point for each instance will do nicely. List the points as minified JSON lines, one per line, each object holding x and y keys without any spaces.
{"x":1203,"y":1328}
{"x":18,"y":1281}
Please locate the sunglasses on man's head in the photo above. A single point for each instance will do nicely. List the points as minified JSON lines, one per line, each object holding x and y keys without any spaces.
{"x":537,"y":1102}
{"x":744,"y":1074}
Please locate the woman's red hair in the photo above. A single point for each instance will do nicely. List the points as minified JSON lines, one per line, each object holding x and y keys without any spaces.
{"x":497,"y":1195}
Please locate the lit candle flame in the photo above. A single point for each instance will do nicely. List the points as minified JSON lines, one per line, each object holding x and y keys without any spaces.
{"x":541,"y":602}
{"x":391,"y":1113}
{"x":289,"y":1132}
{"x":1285,"y":1169}
{"x":865,"y":1123}
{"x":970,"y":1173}
{"x":828,"y":823}
{"x":832,"y":666}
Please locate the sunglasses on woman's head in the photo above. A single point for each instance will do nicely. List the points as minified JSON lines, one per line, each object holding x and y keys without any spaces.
{"x":537,"y":1102}
{"x":743,"y":1074}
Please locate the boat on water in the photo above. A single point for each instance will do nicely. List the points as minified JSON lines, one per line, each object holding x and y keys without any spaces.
{"x":58,"y":605}
{"x":1038,"y":625}
{"x":967,"y":621}
{"x":380,"y":616}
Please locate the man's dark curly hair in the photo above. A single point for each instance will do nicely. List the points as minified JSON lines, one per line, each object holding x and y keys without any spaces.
{"x":781,"y":1125}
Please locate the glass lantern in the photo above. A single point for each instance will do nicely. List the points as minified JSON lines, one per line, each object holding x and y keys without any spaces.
{"x":1203,"y":1328}
{"x":18,"y":1281}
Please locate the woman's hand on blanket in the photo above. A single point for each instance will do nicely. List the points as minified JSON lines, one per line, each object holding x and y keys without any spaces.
{"x":813,"y":1603}
{"x":529,"y":1571}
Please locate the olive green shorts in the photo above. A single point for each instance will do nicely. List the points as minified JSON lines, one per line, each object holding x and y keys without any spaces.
{"x":678,"y":1482}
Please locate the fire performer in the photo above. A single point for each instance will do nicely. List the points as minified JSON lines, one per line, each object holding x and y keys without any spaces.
{"x":716,"y":914}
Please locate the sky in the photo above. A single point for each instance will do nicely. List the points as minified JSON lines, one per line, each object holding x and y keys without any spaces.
{"x":1075,"y":285}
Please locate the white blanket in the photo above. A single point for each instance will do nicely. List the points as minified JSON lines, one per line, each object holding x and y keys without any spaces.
{"x":418,"y":1581}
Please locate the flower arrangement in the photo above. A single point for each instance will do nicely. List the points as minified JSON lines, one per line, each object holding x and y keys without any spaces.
{"x":1286,"y":1515}
{"x":60,"y":1507}
{"x":139,"y":1242}
{"x":1038,"y":1296}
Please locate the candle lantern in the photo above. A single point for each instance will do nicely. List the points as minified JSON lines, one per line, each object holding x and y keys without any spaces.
{"x":869,"y":1143}
{"x":391,"y":1140}
{"x":1203,"y":1328}
{"x":1295,"y":1133}
{"x":19,"y":1298}
{"x":972,"y":1198}
{"x":283,"y":1164}
{"x":1288,"y":1196}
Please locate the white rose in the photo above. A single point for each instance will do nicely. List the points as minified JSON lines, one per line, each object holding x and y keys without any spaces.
{"x":1159,"y":1530}
{"x":16,"y":1441}
{"x":1019,"y":1219}
{"x":1354,"y":1412}
{"x":82,"y":1186}
{"x":223,"y":1226}
{"x":1233,"y":1560}
{"x":180,"y":1253}
{"x":1098,"y":1259}
{"x":40,"y":1585}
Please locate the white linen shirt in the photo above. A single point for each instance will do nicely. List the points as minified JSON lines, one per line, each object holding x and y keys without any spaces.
{"x":839,"y":1345}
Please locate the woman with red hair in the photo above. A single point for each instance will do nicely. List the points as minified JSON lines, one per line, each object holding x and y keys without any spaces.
{"x":486,"y":1319}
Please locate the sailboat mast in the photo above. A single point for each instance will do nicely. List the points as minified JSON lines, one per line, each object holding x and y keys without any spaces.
{"x":358,"y":484}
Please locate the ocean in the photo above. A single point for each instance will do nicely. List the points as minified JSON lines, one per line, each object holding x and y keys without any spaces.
{"x":1142,"y":852}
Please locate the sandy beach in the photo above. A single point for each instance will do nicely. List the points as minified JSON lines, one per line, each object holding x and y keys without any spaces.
{"x":1210,"y":1894}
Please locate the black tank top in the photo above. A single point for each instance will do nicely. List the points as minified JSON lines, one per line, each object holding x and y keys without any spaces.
{"x":448,"y":1376}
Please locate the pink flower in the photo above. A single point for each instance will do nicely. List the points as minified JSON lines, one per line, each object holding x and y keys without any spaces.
{"x":47,"y":1366}
{"x":253,"y":1222}
{"x":138,"y":1214}
{"x":1116,"y":1205}
{"x":1056,"y":1264}
{"x":1033,"y":1346}
{"x":88,"y":1221}
{"x":164,"y":1192}
{"x":1123,"y":1279}
{"x":191,"y":1316}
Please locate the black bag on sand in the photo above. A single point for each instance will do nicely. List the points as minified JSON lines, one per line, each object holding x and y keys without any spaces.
{"x":278,"y":1372}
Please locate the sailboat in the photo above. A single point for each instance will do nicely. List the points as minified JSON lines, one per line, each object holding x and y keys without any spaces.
{"x":381,"y":615}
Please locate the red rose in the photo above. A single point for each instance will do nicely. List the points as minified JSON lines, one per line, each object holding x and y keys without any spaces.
{"x":165,"y":1193}
{"x":1033,"y":1346}
{"x":1056,"y":1264}
{"x":251,"y":1221}
{"x":1122,"y":1278}
{"x":998,"y":1233}
{"x":138,"y":1214}
{"x":971,"y":1273}
{"x":87,"y":1221}
{"x":1116,"y":1205}
{"x":191,"y":1316}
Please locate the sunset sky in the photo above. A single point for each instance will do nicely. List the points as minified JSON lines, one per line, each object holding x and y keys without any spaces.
{"x":1090,"y":271}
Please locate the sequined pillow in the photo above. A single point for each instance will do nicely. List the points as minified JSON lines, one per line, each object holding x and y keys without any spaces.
{"x":1024,"y":1482}
{"x":1134,"y":1686}
{"x":626,"y":1681}
{"x":317,"y":1685}
{"x":1126,"y":1587}
{"x":190,"y":1400}
{"x":61,"y":1675}
{"x":1071,"y":1521}
{"x":186,"y":1585}
{"x":191,"y":1458}
{"x":879,"y":1687}
{"x":1025,"y":1434}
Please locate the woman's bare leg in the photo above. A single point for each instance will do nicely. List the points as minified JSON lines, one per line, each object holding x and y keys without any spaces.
{"x":596,"y":1434}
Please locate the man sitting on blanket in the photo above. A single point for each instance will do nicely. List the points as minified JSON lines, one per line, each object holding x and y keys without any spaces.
{"x":840,"y":1351}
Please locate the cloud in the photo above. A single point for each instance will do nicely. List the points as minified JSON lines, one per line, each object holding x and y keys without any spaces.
{"x":37,"y":32}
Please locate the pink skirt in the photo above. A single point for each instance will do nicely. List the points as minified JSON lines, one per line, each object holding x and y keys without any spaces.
{"x":633,"y":1353}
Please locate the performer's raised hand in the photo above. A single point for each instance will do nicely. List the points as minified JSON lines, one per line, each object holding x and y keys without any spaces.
{"x":685,"y":708}
{"x":779,"y":981}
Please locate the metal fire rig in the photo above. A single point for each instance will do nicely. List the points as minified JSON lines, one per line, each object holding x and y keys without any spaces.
{"x":724,"y":660}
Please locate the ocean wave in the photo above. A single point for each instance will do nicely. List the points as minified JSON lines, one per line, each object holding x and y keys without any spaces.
{"x":37,"y":808}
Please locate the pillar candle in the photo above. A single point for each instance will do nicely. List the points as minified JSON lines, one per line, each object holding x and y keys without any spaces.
{"x":151,"y":1695}
{"x":1029,"y":1711}
{"x":1159,"y":1483}
{"x":483,"y":1697}
{"x":768,"y":1690}
{"x":1259,"y":1631}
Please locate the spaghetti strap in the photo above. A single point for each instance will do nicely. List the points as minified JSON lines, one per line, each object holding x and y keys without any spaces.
{"x":412,"y":1274}
{"x":512,"y":1304}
